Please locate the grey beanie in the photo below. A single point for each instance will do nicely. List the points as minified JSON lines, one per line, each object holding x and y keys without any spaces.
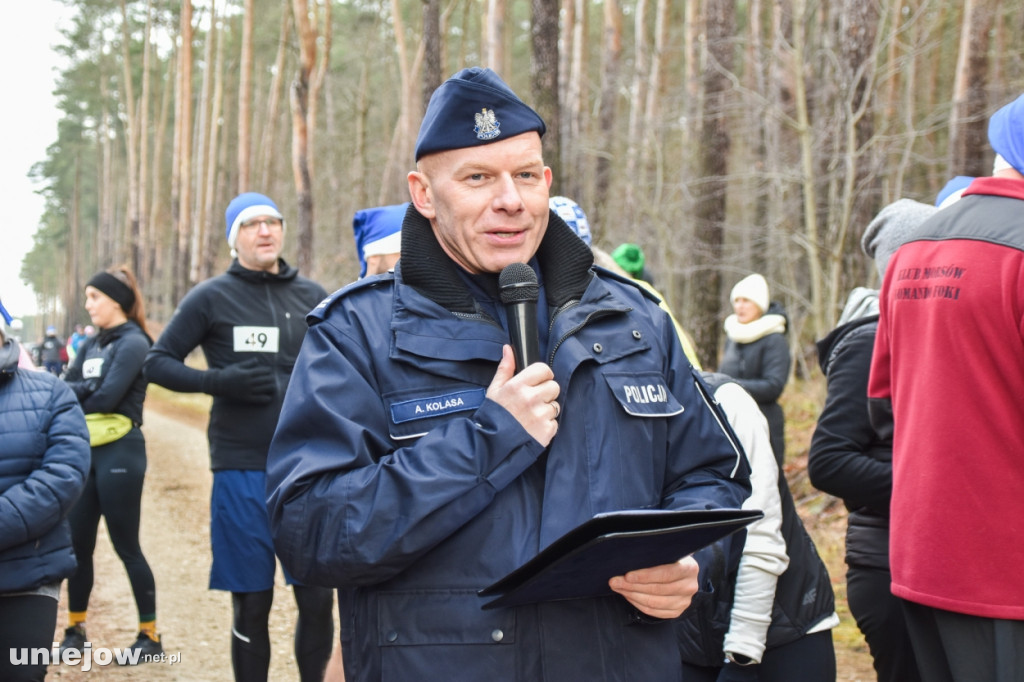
{"x":891,"y":228}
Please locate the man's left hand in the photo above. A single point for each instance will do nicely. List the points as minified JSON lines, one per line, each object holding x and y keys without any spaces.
{"x":660,"y":591}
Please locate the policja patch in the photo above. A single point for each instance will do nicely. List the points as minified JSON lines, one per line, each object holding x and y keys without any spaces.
{"x":644,"y":395}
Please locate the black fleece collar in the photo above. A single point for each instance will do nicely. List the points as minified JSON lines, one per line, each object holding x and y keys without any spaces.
{"x":563,"y":258}
{"x":285,"y":272}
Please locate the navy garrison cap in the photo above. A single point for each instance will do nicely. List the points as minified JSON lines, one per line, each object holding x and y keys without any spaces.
{"x":472,"y":108}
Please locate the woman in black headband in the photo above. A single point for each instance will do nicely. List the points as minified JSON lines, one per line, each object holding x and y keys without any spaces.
{"x":107,"y":378}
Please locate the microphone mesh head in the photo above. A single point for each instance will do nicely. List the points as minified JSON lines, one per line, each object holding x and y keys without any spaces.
{"x":518,"y":284}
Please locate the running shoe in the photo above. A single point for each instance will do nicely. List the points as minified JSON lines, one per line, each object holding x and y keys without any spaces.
{"x":74,"y":638}
{"x":148,"y":649}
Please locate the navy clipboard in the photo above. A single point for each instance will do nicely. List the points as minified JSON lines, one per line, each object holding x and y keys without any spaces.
{"x":580,"y":563}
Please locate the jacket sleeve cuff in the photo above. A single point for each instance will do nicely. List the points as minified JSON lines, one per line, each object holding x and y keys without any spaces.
{"x":512,"y":450}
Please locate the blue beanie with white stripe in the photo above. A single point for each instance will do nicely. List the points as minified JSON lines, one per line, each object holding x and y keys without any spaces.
{"x":1006,"y":133}
{"x":245,"y":207}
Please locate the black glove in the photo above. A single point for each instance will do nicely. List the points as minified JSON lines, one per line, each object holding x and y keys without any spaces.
{"x":738,"y":673}
{"x":248,"y":382}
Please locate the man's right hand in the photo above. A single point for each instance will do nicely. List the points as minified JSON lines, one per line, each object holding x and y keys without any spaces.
{"x":530,"y":396}
{"x":248,"y":382}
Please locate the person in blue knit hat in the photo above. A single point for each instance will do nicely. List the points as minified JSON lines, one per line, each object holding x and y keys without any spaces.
{"x":378,"y":235}
{"x":244,"y":209}
{"x":573,"y":215}
{"x":250,"y":322}
{"x":956,"y":427}
{"x":416,"y":462}
{"x":1006,"y":135}
{"x":953,"y":190}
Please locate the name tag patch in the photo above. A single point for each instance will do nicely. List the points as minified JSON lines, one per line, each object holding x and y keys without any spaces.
{"x":643,"y":394}
{"x":433,"y":406}
{"x":256,"y":339}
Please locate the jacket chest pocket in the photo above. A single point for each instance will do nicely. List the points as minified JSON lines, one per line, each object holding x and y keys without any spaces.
{"x":627,"y":442}
{"x":412,"y":413}
{"x":643,"y":394}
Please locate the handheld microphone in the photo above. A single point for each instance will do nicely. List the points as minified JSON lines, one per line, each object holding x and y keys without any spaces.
{"x":519,"y":292}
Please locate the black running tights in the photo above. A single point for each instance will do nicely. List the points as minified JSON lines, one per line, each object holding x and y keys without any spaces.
{"x":250,"y":636}
{"x":26,"y":622}
{"x":114,"y":491}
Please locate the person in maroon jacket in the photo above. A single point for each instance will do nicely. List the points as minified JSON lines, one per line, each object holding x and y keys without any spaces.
{"x":948,"y":368}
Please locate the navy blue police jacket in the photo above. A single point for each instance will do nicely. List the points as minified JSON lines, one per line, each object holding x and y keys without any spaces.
{"x":393,"y":478}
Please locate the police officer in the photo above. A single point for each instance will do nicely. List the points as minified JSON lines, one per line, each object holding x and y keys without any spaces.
{"x":413,"y":466}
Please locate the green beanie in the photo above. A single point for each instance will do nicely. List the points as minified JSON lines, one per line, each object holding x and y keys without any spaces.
{"x":630,"y":258}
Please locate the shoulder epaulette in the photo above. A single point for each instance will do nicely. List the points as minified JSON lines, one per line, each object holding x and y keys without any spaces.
{"x":320,"y":311}
{"x":641,"y":286}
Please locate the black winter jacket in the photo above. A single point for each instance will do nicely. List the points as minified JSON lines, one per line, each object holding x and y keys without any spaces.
{"x":761,"y":367}
{"x":848,"y":458}
{"x":44,"y":459}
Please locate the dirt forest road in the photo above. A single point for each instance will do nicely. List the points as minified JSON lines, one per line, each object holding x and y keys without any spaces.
{"x":194,"y":622}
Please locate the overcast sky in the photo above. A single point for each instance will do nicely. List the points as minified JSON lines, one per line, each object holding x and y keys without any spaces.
{"x":28,"y":123}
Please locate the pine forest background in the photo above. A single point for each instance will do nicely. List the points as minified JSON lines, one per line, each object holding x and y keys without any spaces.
{"x":723,"y":136}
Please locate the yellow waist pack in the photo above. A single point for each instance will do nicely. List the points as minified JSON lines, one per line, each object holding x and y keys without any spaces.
{"x":106,"y":428}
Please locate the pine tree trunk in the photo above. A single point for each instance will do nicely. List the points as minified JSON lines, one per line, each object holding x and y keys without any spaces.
{"x":214,"y":161}
{"x":204,"y":152}
{"x":245,"y":98}
{"x":493,"y":47}
{"x":268,"y":139}
{"x":968,"y":125}
{"x":300,"y":96}
{"x":634,"y":137}
{"x":183,"y":135}
{"x":544,"y":80}
{"x":400,"y":152}
{"x":432,"y":76}
{"x":808,"y":170}
{"x":132,"y":125}
{"x":611,"y":68}
{"x":711,"y":195}
{"x":145,"y":244}
{"x":861,"y":186}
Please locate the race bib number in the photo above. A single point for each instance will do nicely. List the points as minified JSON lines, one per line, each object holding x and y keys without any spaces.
{"x":92,"y":368}
{"x":256,"y":339}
